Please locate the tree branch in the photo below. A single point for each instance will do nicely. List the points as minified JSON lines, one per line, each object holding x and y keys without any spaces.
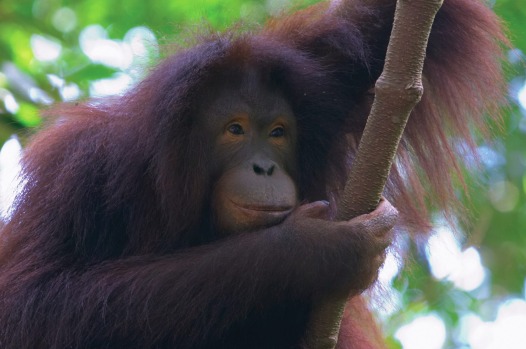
{"x":397,"y":91}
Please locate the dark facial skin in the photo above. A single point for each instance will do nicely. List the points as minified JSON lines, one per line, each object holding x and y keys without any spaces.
{"x":253,"y":158}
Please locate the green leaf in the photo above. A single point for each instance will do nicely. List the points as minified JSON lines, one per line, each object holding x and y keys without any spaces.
{"x":28,"y":115}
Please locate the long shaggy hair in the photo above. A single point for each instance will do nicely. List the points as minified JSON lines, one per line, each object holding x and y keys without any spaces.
{"x":124,"y":180}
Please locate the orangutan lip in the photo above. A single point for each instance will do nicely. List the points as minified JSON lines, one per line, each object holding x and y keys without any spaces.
{"x":263,"y":208}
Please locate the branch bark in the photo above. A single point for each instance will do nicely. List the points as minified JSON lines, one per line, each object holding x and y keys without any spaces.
{"x":397,"y":91}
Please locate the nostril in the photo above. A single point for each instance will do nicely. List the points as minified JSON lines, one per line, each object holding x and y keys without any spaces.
{"x":270,"y":170}
{"x":258,"y":170}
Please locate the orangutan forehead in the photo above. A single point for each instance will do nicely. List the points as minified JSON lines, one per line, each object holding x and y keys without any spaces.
{"x":246,"y":97}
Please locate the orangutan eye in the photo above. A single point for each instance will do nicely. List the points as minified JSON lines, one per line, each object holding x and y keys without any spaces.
{"x":236,"y":129}
{"x":277,"y":132}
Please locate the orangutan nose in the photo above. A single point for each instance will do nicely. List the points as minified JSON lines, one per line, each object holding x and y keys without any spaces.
{"x":264,"y":168}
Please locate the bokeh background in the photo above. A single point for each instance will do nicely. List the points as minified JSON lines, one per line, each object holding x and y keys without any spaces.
{"x":465,"y":287}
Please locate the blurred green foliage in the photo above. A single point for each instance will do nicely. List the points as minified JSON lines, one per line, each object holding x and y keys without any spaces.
{"x":497,"y":198}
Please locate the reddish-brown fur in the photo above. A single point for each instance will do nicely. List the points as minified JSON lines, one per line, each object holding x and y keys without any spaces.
{"x":109,"y":246}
